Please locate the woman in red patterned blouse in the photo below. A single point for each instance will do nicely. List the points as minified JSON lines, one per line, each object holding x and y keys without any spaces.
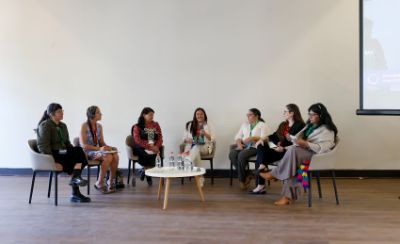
{"x":147,"y":138}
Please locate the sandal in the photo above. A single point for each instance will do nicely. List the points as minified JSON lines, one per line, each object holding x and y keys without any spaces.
{"x":112,"y":188}
{"x":103,"y":189}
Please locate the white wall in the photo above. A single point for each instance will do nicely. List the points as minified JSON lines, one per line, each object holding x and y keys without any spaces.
{"x":223,"y":55}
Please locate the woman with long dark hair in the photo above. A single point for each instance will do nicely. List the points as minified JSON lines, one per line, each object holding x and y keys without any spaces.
{"x":280,"y":140}
{"x":199,"y":137}
{"x":53,"y":138}
{"x":318,"y":136}
{"x":148,"y":139}
{"x":249,"y":133}
{"x":92,"y":141}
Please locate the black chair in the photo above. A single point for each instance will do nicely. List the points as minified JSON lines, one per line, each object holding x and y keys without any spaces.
{"x":44,"y":163}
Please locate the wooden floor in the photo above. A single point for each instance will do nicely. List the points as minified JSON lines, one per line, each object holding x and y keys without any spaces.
{"x":369,"y":213}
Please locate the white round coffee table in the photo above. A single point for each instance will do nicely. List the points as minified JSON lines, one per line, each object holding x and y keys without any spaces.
{"x":171,"y":172}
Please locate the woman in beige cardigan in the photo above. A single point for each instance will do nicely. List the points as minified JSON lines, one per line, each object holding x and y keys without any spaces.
{"x":318,"y":136}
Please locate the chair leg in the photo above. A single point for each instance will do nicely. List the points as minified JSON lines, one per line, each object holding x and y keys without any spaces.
{"x":56,"y":188}
{"x":319,"y":185}
{"x":32,"y":185}
{"x":334,"y":187}
{"x":212,"y":171}
{"x":231,"y":173}
{"x":309,"y":190}
{"x":182,"y":181}
{"x":129,"y":169}
{"x":98,"y":172}
{"x":50,"y":179}
{"x":88,"y":180}
{"x":133,"y":174}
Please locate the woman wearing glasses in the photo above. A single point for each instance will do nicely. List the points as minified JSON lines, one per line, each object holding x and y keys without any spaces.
{"x":249,"y":133}
{"x":318,"y":136}
{"x":274,"y":148}
{"x":53,"y":138}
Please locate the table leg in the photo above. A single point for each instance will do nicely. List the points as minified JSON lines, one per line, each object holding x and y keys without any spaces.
{"x":166,"y":193}
{"x":160,"y":186}
{"x":198,"y":183}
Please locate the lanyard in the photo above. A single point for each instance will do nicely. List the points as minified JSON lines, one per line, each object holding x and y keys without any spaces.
{"x":60,"y":134}
{"x":94,"y":132}
{"x":252,"y":127}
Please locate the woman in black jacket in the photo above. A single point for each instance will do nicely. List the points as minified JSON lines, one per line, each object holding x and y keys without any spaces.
{"x":274,"y":149}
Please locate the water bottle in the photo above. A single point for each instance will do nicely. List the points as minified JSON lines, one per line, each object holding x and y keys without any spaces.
{"x":188,"y":166}
{"x":172,"y":160}
{"x":158,"y":161}
{"x":179,"y":162}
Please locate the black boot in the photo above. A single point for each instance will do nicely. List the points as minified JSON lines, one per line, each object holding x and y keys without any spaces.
{"x":77,"y":179}
{"x":77,"y":195}
{"x":142,"y":174}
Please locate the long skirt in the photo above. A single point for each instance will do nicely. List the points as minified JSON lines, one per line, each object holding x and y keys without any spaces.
{"x":286,"y":169}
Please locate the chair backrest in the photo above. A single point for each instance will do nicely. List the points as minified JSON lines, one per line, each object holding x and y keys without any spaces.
{"x":129,"y":144}
{"x":40,"y":161}
{"x":324,"y":161}
{"x":76,"y":142}
{"x":33,"y":145}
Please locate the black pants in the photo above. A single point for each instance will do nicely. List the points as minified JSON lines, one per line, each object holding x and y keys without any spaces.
{"x":266,"y":155}
{"x":68,"y":160}
{"x":145,"y":159}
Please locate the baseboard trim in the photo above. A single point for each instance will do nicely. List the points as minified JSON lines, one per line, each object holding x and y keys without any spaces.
{"x":225,"y":173}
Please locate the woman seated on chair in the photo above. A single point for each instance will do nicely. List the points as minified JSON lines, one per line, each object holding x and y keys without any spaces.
{"x":249,"y":133}
{"x":148,"y":140}
{"x":279,"y":141}
{"x":92,"y":141}
{"x":198,"y":137}
{"x":53,"y":138}
{"x":318,"y":136}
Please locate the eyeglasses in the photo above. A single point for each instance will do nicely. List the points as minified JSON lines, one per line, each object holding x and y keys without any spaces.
{"x":313,"y":114}
{"x":60,"y":111}
{"x":250,"y":114}
{"x":285,"y":111}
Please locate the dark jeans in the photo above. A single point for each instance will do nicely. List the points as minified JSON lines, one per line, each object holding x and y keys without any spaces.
{"x":239,"y":160}
{"x":266,"y":155}
{"x":68,"y":160}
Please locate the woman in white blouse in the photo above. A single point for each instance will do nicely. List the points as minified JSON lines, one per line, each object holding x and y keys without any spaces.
{"x":198,"y":137}
{"x":249,"y":133}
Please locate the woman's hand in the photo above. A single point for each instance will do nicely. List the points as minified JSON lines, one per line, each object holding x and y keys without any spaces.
{"x":279,"y":149}
{"x":302,"y":143}
{"x":154,"y":149}
{"x":247,"y":140}
{"x":105,"y":148}
{"x":259,"y":142}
